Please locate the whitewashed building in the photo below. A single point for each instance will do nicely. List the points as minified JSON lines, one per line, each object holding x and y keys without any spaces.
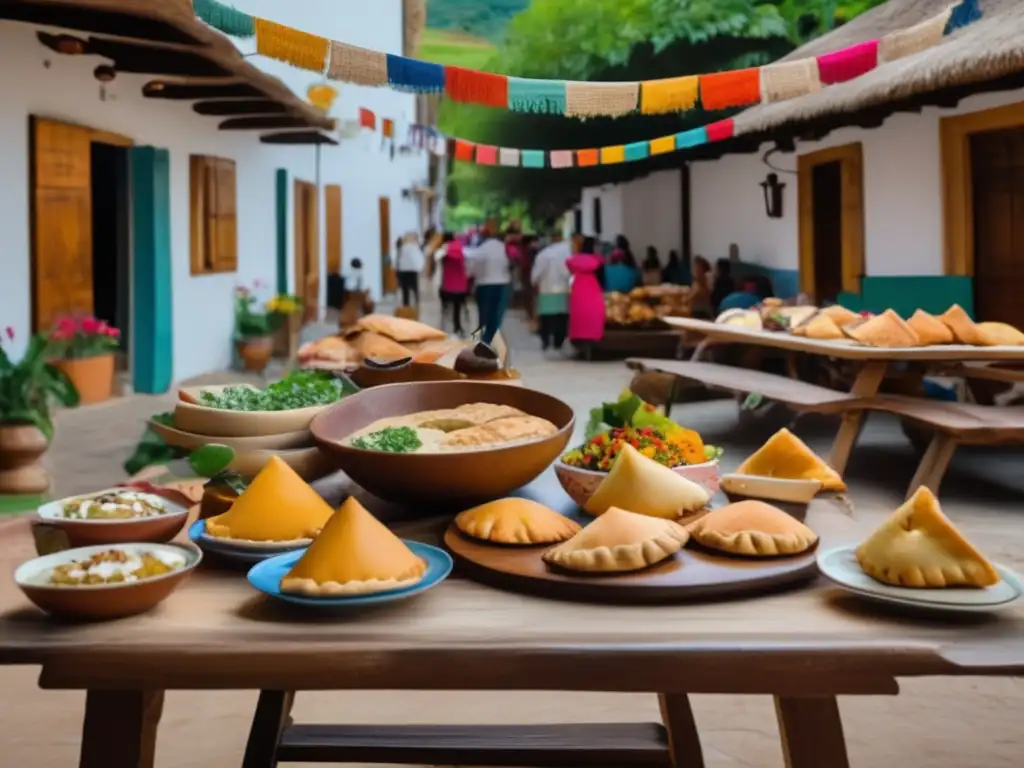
{"x":143,"y":174}
{"x":903,"y":187}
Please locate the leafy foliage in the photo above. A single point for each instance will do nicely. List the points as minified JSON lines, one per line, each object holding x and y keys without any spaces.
{"x":485,"y":18}
{"x":30,"y":387}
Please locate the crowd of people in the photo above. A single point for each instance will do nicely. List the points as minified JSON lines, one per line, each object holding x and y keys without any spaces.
{"x":559,"y":283}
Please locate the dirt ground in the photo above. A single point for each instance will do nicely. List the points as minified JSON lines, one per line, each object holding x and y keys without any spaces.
{"x":933,"y":723}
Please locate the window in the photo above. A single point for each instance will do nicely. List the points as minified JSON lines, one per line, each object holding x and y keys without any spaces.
{"x":597,"y":216}
{"x":214,"y":222}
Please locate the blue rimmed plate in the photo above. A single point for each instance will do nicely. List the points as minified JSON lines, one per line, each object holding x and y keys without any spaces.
{"x":231,"y":551}
{"x":267,"y":575}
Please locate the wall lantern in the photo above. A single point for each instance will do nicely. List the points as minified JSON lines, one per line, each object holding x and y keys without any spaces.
{"x":772,"y":196}
{"x":322,"y":96}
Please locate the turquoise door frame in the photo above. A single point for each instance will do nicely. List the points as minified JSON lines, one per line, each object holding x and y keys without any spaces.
{"x":152,"y":335}
{"x":282,"y":230}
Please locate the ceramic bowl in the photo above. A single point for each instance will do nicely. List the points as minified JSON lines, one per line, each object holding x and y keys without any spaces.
{"x":791,"y":496}
{"x":580,"y":483}
{"x":442,"y":479}
{"x":188,"y":441}
{"x":83,"y":533}
{"x":219,"y":422}
{"x":101,"y":601}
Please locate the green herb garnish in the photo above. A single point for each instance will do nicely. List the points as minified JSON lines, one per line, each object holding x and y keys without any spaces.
{"x":390,"y":440}
{"x":299,"y":389}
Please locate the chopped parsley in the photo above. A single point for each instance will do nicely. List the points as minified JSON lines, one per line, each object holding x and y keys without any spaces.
{"x":390,"y":440}
{"x":299,"y":389}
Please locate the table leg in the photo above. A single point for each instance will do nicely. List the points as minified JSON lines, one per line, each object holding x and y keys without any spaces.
{"x":933,"y":464}
{"x":683,"y":739}
{"x":812,"y":732}
{"x":868,"y":380}
{"x":120,"y":729}
{"x":273,"y":715}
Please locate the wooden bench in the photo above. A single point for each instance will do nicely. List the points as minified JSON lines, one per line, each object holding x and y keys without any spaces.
{"x":953,"y":424}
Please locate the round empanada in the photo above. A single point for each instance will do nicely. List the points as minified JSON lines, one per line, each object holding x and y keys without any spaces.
{"x":619,"y":541}
{"x":753,"y":528}
{"x":516,"y":521}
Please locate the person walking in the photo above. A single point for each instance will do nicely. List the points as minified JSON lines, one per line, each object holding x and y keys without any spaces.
{"x":620,"y":273}
{"x":550,"y":277}
{"x":409,"y":265}
{"x":488,"y":265}
{"x":586,"y":297}
{"x":454,"y":280}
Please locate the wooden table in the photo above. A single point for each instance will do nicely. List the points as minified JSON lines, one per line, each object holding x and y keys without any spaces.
{"x":874,"y":363}
{"x":803,"y":647}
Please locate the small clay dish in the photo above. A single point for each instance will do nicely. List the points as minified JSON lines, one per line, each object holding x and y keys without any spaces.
{"x":96,"y":602}
{"x":83,"y":533}
{"x":581,"y":483}
{"x":791,"y":496}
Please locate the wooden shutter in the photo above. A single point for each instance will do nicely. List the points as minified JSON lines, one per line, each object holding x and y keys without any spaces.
{"x":61,"y":222}
{"x":214,"y":219}
{"x":332,"y":204}
{"x":225,"y":218}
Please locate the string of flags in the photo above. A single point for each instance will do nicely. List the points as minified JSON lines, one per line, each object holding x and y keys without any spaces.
{"x":781,"y":81}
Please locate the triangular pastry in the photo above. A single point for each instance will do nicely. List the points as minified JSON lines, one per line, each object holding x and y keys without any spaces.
{"x":278,"y":506}
{"x":885,"y":330}
{"x":619,"y":541}
{"x":840,"y":315}
{"x":400,"y":329}
{"x":354,"y":555}
{"x":752,"y":528}
{"x":965,"y":331}
{"x":999,"y":335}
{"x":787,"y":456}
{"x":929,"y":329}
{"x":644,"y":486}
{"x":918,"y":546}
{"x":821,"y":326}
{"x":374,"y":346}
{"x":516,"y":521}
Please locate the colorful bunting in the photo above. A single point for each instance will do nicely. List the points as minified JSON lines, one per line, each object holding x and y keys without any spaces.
{"x":691,"y":138}
{"x":291,"y":46}
{"x":367,"y":119}
{"x":540,"y":96}
{"x":387,"y":127}
{"x":674,"y":94}
{"x":613,"y":155}
{"x":723,"y":90}
{"x":663,"y":146}
{"x":848,"y":63}
{"x":472,"y":87}
{"x":596,"y":99}
{"x":509,"y":157}
{"x":533,"y":158}
{"x":561,"y":158}
{"x":722,"y":130}
{"x":226,"y":19}
{"x":486,"y":154}
{"x":586,"y":157}
{"x":414,"y":76}
{"x":352,"y":64}
{"x":920,"y":37}
{"x":789,"y":80}
{"x":464,"y":150}
{"x":637,"y":151}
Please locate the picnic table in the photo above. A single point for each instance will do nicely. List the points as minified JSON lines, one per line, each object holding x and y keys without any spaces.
{"x":804,"y":647}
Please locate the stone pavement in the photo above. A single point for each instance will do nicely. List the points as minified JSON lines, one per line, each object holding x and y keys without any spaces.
{"x":934,"y":723}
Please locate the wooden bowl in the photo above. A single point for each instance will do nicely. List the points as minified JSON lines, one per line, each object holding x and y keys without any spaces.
{"x":219,"y":422}
{"x":581,"y":483}
{"x":84,"y":533}
{"x":188,"y":441}
{"x":101,"y":601}
{"x":791,"y":496}
{"x":442,"y":479}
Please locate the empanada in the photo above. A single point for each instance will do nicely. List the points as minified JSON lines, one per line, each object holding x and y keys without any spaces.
{"x":821,"y":327}
{"x":840,"y":315}
{"x":619,"y":541}
{"x":787,"y":456}
{"x":355,"y":554}
{"x":885,"y":330}
{"x":516,"y":521}
{"x":400,"y":329}
{"x":373,"y":346}
{"x":999,"y":335}
{"x":752,"y":528}
{"x":965,"y":331}
{"x":644,"y":486}
{"x":918,"y":546}
{"x":929,"y":329}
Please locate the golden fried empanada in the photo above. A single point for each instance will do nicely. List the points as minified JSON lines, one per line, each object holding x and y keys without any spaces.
{"x":885,"y":330}
{"x":400,"y":329}
{"x":999,"y":335}
{"x":619,"y":541}
{"x":965,"y":331}
{"x":929,"y":329}
{"x":516,"y":521}
{"x":821,"y":327}
{"x":840,"y":315}
{"x":752,"y":528}
{"x":787,"y":456}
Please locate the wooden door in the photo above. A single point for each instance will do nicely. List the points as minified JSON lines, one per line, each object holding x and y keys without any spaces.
{"x":61,"y":216}
{"x":307,"y":251}
{"x":332,"y":206}
{"x":387,"y":259}
{"x":997,"y":163}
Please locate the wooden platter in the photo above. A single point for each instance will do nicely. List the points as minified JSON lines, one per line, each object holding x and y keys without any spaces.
{"x":693,"y":574}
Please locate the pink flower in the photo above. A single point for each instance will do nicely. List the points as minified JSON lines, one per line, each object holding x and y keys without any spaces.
{"x":257,"y":283}
{"x":91,"y":326}
{"x":9,"y":330}
{"x":113,"y":333}
{"x":66,"y":325}
{"x":61,"y":334}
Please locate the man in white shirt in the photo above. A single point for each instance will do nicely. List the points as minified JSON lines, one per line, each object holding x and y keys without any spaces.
{"x":550,"y":277}
{"x":488,"y":266}
{"x":408,"y":265}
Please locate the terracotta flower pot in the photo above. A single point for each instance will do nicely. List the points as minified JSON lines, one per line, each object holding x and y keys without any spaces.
{"x":93,"y":377}
{"x":21,"y":448}
{"x":255,"y":353}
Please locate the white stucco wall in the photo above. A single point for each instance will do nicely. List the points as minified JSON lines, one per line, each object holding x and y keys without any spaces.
{"x":902,"y":196}
{"x":203,"y":318}
{"x":648,"y":211}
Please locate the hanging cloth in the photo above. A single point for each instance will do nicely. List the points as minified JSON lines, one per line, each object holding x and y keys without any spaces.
{"x":673,"y":94}
{"x":539,"y":96}
{"x":723,"y":90}
{"x":414,"y":76}
{"x":300,"y":49}
{"x":352,"y":64}
{"x":601,"y":99}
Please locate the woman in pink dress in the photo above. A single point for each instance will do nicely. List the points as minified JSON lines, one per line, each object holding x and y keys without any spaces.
{"x":586,"y":297}
{"x":454,"y":281}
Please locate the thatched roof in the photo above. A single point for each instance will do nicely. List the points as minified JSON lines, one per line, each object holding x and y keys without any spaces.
{"x":987,"y":50}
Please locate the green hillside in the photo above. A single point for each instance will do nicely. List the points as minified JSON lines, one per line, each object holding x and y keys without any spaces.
{"x":481,"y":18}
{"x":456,"y":49}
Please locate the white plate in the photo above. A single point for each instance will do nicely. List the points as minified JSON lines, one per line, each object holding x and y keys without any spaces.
{"x":840,"y":565}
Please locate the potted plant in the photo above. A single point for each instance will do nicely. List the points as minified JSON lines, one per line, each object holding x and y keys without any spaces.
{"x":84,"y":348}
{"x":254,"y":329}
{"x":28,"y":390}
{"x":286,"y":309}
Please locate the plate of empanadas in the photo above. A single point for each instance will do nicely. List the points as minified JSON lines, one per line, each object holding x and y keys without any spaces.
{"x":917,"y":557}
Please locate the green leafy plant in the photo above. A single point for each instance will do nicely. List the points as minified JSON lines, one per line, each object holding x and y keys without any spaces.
{"x":73,"y":338}
{"x":30,"y":387}
{"x":252,"y":322}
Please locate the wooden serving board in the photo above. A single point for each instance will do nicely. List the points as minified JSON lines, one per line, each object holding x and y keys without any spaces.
{"x":693,"y":574}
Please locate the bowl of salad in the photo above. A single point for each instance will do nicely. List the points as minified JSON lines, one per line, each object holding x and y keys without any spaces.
{"x":242,"y":410}
{"x":114,"y":516}
{"x":630,"y":420}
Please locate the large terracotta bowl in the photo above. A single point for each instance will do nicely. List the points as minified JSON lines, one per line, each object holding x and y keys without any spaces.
{"x":83,"y":533}
{"x":101,"y":601}
{"x":580,"y":484}
{"x":458,"y":479}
